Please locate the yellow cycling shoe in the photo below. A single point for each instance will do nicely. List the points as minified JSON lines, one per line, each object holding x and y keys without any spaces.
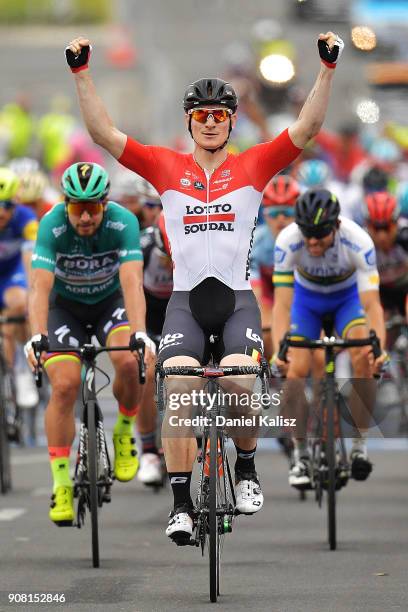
{"x":62,"y":506}
{"x":126,"y":460}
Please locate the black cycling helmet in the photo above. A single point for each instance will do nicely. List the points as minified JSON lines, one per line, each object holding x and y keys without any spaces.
{"x":317,"y":212}
{"x":210,"y":91}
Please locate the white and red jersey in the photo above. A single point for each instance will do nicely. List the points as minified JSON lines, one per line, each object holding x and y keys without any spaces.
{"x":210,"y":217}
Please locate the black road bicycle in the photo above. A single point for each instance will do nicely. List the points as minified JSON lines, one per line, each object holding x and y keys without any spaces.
{"x":10,"y":418}
{"x":214,"y":509}
{"x":93,"y":471}
{"x":330,"y":468}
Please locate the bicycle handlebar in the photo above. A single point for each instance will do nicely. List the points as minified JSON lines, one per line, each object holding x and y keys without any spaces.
{"x":323,"y":343}
{"x":215,"y":372}
{"x":209,"y":372}
{"x":89,"y":352}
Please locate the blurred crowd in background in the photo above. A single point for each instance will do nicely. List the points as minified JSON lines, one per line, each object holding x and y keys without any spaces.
{"x":354,"y":159}
{"x":369,"y":143}
{"x":362,"y":149}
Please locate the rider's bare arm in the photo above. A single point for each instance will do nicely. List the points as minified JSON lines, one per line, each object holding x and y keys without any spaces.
{"x":95,"y":116}
{"x":42,"y":282}
{"x":283,"y":298}
{"x":26,"y":257}
{"x":131,"y":281}
{"x":371,"y":303}
{"x":312,"y":115}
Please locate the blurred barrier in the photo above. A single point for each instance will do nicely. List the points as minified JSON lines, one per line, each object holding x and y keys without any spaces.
{"x":55,"y":11}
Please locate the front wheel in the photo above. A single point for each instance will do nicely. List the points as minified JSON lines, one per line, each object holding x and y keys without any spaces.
{"x":93,"y":480}
{"x":331,"y":466}
{"x":212,"y":518}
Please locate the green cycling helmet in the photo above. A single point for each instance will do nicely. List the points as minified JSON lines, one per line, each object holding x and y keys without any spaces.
{"x":9,"y":183}
{"x":85,"y":181}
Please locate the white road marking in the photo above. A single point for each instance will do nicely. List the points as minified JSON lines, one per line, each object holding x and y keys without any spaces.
{"x":9,"y":514}
{"x":41,"y":492}
{"x":30,"y":459}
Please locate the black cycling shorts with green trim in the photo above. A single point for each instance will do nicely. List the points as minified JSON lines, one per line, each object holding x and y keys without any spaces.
{"x":212,"y":320}
{"x":68,"y":320}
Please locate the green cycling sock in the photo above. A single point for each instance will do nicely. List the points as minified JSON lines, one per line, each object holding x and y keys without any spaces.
{"x":60,"y":472}
{"x":124,"y":424}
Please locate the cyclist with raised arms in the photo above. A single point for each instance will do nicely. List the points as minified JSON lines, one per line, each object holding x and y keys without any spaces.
{"x":325,"y":265}
{"x":87,"y":271}
{"x":210,"y":201}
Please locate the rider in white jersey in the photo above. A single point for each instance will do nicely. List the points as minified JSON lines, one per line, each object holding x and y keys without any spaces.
{"x":325,"y":266}
{"x":210,"y":202}
{"x":350,"y":260}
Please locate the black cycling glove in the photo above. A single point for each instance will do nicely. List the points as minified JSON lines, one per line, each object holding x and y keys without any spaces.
{"x":78,"y":62}
{"x":328,"y":56}
{"x":38,"y":343}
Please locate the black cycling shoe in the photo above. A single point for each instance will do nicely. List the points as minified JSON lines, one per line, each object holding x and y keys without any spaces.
{"x":361,"y":466}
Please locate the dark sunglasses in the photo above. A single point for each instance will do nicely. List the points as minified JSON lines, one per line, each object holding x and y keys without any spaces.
{"x":78,"y":208}
{"x":378,"y":227}
{"x":152,"y":204}
{"x":274,"y":211}
{"x":316,"y":232}
{"x":7,"y":204}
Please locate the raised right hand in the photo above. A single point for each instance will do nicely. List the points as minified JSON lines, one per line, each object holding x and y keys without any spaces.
{"x":78,"y":53}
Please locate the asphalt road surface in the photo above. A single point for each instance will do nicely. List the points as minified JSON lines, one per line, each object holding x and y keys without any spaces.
{"x":277,"y":560}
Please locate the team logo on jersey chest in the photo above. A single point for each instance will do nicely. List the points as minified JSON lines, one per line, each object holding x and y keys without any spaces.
{"x":213,"y":217}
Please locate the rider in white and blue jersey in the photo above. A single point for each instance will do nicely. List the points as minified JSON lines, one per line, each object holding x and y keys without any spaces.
{"x":325,"y":265}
